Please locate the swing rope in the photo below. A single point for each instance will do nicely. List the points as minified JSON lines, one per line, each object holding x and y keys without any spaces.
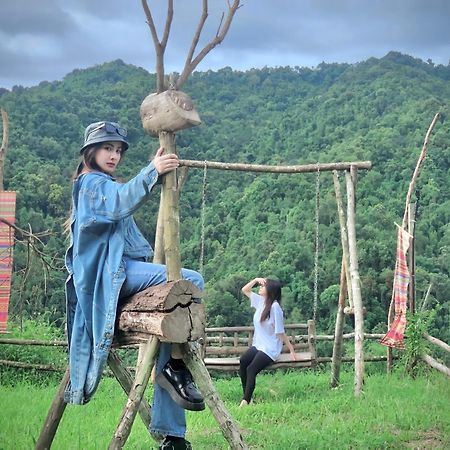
{"x":203,"y":213}
{"x":316,"y":249}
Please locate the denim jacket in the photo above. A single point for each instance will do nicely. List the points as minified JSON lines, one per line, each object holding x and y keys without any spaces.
{"x":102,"y":231}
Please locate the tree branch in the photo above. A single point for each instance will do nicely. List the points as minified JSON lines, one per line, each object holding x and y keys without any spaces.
{"x":420,"y":161}
{"x":197,"y":34}
{"x":160,"y":47}
{"x":190,"y":64}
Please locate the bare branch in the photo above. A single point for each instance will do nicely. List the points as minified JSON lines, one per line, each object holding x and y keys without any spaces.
{"x":192,"y":64}
{"x":197,"y":34}
{"x":168,"y":25}
{"x":159,"y":46}
{"x":4,"y":147}
{"x":420,"y":161}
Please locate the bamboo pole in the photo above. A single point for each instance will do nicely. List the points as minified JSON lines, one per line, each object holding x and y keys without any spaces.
{"x":322,"y":167}
{"x":135,"y":396}
{"x":344,"y":235}
{"x":338,"y":331}
{"x":355,"y":283}
{"x":54,"y":415}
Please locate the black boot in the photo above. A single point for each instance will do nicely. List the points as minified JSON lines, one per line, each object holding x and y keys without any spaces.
{"x":175,"y":443}
{"x":180,"y":386}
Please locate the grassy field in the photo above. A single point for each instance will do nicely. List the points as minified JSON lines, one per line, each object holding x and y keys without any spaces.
{"x":294,"y":410}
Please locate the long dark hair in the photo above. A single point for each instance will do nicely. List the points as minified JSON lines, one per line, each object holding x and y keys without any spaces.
{"x":88,"y":160}
{"x":273,"y":293}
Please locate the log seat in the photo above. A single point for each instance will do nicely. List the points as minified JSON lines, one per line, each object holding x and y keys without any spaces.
{"x":171,"y":312}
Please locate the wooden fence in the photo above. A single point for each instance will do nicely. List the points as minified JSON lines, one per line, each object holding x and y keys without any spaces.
{"x":223,"y":343}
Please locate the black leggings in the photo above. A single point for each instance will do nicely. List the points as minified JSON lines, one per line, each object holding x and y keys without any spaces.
{"x":250,"y":364}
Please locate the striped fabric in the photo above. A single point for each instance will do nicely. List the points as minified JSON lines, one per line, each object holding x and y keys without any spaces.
{"x":7,"y":211}
{"x":394,"y":337}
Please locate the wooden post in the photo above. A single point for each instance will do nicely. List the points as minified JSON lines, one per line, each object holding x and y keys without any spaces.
{"x":134,"y":399}
{"x":54,"y":415}
{"x":412,"y":258}
{"x":355,"y":282}
{"x":125,"y":379}
{"x":338,"y":330}
{"x":344,"y":236}
{"x":4,"y":147}
{"x":229,"y":429}
{"x":158,"y":255}
{"x":171,"y":213}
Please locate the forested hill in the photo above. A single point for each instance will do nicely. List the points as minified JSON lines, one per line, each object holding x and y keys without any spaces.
{"x":256,"y":224}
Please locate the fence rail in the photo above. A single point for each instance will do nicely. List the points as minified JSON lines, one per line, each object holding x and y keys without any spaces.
{"x":212,"y":340}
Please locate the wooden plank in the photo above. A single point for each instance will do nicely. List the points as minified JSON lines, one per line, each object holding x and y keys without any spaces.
{"x":284,"y":358}
{"x":287,"y":326}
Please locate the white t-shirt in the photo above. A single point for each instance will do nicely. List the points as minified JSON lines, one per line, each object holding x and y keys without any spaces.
{"x":265,"y":338}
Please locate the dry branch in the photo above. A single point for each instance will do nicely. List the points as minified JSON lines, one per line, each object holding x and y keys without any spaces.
{"x":190,"y":63}
{"x":160,"y":46}
{"x":420,"y":161}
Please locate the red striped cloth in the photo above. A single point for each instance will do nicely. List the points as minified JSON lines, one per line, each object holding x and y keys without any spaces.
{"x":394,"y":337}
{"x":8,"y":212}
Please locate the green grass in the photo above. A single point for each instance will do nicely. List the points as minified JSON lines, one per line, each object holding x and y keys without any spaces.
{"x":295,"y":410}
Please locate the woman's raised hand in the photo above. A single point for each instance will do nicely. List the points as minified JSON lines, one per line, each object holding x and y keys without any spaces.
{"x":165,"y":163}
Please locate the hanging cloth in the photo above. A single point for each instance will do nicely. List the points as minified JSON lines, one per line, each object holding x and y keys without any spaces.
{"x":8,"y":212}
{"x":394,"y":337}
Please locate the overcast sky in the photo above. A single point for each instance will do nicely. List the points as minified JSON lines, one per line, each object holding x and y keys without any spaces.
{"x":46,"y":39}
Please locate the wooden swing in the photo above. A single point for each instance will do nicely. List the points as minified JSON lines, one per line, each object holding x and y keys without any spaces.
{"x":223,"y":346}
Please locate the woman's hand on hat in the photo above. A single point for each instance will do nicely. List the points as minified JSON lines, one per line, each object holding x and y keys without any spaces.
{"x":165,"y":163}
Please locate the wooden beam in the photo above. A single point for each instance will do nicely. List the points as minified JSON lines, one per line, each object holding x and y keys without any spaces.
{"x":306,"y":168}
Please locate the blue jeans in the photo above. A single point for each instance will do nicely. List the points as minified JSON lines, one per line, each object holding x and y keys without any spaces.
{"x":167,"y":416}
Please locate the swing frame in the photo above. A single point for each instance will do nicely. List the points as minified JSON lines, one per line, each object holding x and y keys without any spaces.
{"x":349,"y":278}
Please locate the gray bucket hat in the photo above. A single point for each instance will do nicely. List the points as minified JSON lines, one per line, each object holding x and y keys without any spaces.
{"x":98,"y":132}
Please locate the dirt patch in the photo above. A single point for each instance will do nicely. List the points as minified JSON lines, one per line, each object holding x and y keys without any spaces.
{"x":426,"y":440}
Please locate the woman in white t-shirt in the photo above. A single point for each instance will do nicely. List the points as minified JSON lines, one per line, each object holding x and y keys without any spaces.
{"x":269,"y":334}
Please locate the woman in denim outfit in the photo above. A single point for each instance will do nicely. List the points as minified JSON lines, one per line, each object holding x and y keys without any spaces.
{"x":107,"y":261}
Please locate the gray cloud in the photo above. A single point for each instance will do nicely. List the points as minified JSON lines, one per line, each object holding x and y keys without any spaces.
{"x":46,"y":39}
